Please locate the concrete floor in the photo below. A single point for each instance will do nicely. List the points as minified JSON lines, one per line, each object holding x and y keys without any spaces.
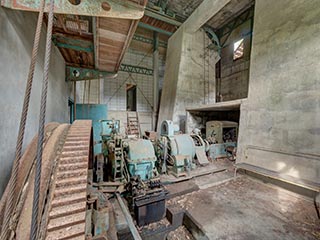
{"x":245,"y":208}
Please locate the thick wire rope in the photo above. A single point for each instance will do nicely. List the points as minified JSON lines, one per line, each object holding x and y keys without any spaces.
{"x":35,"y":206}
{"x":11,"y":199}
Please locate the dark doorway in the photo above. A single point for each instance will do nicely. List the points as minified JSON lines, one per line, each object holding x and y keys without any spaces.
{"x":131,"y":97}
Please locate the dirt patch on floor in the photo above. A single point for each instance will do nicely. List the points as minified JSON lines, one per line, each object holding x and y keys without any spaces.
{"x":181,"y":233}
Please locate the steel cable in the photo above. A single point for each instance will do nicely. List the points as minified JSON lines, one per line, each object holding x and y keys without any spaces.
{"x":11,"y":199}
{"x":35,"y":207}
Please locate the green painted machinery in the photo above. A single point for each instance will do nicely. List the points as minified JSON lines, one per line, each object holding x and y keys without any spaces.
{"x":178,"y":153}
{"x":140,"y":158}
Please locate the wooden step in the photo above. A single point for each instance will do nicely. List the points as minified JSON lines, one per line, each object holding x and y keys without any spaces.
{"x":74,"y":153}
{"x":63,"y":191}
{"x":75,"y":232}
{"x":66,"y":221}
{"x":72,"y":173}
{"x":72,"y":166}
{"x":69,"y":209}
{"x":76,"y":147}
{"x":73,"y":159}
{"x":70,"y":199}
{"x":70,"y":181}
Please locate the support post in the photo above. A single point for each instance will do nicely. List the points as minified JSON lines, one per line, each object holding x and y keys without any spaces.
{"x":74,"y":100}
{"x":155,"y":78}
{"x":132,"y":227}
{"x":101,"y":82}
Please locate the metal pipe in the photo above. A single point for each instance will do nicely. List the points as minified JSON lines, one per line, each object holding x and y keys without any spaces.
{"x":128,"y":217}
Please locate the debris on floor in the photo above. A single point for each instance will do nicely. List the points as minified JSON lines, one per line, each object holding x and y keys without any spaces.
{"x":155,"y":225}
{"x":181,"y":233}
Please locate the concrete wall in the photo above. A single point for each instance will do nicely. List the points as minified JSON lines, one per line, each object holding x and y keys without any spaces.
{"x":280,"y":123}
{"x":189,"y":77}
{"x":17,"y":31}
{"x":235,"y":74}
{"x":190,"y":66}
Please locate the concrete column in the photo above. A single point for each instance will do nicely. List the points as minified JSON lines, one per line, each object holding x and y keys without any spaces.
{"x":155,"y":78}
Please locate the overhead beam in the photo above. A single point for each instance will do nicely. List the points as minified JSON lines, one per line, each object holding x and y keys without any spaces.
{"x":74,"y":44}
{"x":136,"y":69}
{"x":115,"y":8}
{"x":155,"y":29}
{"x":73,"y":47}
{"x":144,"y":39}
{"x":80,"y":74}
{"x":162,"y":17}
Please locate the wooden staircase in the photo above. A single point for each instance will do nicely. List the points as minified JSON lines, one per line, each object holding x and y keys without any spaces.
{"x":133,"y":125}
{"x":67,"y":214}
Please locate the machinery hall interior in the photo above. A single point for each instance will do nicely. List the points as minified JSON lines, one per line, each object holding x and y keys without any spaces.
{"x":160,"y":119}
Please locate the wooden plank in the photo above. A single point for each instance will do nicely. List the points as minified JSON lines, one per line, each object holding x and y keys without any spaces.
{"x":107,"y":68}
{"x":110,"y":42}
{"x":106,"y":62}
{"x":115,"y":25}
{"x":105,"y":50}
{"x":132,"y":29}
{"x":112,"y":56}
{"x":103,"y":33}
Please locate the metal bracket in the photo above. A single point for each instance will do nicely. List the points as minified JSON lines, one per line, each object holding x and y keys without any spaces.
{"x":80,"y":74}
{"x":214,"y":39}
{"x":116,"y":8}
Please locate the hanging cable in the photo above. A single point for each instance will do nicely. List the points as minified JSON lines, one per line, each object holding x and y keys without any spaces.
{"x":35,"y":207}
{"x":11,"y":199}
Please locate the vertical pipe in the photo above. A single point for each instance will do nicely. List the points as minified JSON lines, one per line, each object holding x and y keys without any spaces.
{"x":155,"y":78}
{"x":74,"y":100}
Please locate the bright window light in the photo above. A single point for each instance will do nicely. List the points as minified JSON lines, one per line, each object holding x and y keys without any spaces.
{"x":238,"y":49}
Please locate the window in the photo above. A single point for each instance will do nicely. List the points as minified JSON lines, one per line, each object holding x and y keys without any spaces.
{"x":238,"y":49}
{"x":131,"y":97}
